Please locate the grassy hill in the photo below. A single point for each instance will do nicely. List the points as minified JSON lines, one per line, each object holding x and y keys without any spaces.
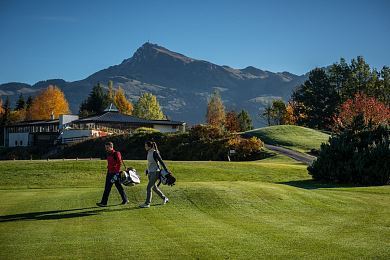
{"x":262,"y":209}
{"x":298,"y":138}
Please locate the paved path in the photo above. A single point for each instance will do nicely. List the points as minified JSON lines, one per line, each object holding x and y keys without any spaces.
{"x":301,"y":157}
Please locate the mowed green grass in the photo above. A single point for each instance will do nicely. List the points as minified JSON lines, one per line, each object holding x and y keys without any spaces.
{"x":297,"y":138}
{"x":218,"y":210}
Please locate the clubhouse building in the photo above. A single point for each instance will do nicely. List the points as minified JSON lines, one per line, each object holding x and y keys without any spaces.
{"x":70,"y":128}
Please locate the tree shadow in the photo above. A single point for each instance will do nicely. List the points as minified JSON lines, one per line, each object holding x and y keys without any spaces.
{"x":61,"y":214}
{"x":313,"y":185}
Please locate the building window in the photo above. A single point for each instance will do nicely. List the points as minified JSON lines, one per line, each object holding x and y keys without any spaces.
{"x":21,"y":142}
{"x":16,"y":143}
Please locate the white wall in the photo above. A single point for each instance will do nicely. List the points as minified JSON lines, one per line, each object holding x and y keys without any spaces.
{"x":21,"y":139}
{"x":64,"y":119}
{"x":75,"y":133}
{"x":165,"y":128}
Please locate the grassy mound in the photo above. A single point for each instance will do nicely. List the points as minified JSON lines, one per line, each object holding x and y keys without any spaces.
{"x":298,"y":138}
{"x":267,"y":209}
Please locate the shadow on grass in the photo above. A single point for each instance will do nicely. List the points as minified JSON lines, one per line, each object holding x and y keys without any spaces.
{"x":62,"y":214}
{"x":313,"y":185}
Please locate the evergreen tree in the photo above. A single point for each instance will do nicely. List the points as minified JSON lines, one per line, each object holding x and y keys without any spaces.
{"x":96,"y":102}
{"x":384,"y":91}
{"x":148,"y":107}
{"x":20,"y":103}
{"x":318,"y":99}
{"x":245,"y":121}
{"x":267,"y":114}
{"x":279,"y":111}
{"x":215,"y":110}
{"x":6,"y":118}
{"x":29,"y":102}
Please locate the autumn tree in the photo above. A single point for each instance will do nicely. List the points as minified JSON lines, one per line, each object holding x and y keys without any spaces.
{"x":50,"y":101}
{"x":231,"y":122}
{"x":373,"y":111}
{"x":148,"y":107}
{"x":1,"y":107}
{"x":290,"y":117}
{"x":120,"y":101}
{"x":111,"y":92}
{"x":244,"y":121}
{"x":215,"y":110}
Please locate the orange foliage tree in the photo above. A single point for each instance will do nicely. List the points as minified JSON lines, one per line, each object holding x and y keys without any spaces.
{"x":374,"y":112}
{"x":231,"y":122}
{"x":1,"y":107}
{"x":121,"y":102}
{"x":50,"y":100}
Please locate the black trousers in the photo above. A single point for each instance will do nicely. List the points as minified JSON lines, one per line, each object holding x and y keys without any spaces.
{"x":108,"y":186}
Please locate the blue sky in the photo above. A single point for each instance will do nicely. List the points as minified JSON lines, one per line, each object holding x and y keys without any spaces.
{"x":73,"y":39}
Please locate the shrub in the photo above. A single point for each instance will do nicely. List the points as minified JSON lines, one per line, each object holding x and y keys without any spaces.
{"x":206,"y":132}
{"x":357,"y":156}
{"x":245,"y":148}
{"x":145,"y":130}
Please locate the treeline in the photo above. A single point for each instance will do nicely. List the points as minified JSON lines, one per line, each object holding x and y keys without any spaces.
{"x":321,"y":102}
{"x":51,"y":102}
{"x":146,"y":107}
{"x":230,"y":121}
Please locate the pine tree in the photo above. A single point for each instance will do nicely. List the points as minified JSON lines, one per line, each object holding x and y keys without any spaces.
{"x":279,"y":111}
{"x":29,"y":102}
{"x":20,"y":103}
{"x":244,"y":121}
{"x":96,"y":102}
{"x":318,"y":100}
{"x":120,"y":101}
{"x":215,"y":115}
{"x":148,"y":107}
{"x":6,"y":118}
{"x":267,"y":114}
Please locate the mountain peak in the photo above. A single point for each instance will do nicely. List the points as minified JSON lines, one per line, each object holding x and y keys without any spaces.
{"x":150,"y":51}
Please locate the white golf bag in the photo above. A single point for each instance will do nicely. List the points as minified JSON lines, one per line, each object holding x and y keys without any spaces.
{"x":130,"y":177}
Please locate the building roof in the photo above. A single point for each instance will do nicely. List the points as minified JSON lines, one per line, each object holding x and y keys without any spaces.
{"x":112,"y":108}
{"x":115,"y":117}
{"x":35,"y":122}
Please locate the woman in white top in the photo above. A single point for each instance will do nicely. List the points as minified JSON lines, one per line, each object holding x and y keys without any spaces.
{"x":153,"y":172}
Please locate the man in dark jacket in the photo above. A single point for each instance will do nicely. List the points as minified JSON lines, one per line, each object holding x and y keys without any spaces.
{"x":114,"y":161}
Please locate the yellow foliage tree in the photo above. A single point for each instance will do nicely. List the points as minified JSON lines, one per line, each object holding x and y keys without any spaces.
{"x":51,"y":100}
{"x":1,"y":106}
{"x":120,"y":101}
{"x":215,"y":111}
{"x":289,"y":117}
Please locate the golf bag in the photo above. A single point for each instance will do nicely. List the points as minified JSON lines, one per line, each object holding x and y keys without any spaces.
{"x":129,"y":177}
{"x":166,"y":178}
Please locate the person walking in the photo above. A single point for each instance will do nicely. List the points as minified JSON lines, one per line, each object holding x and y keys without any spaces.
{"x":114,"y":161}
{"x":153,"y":173}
